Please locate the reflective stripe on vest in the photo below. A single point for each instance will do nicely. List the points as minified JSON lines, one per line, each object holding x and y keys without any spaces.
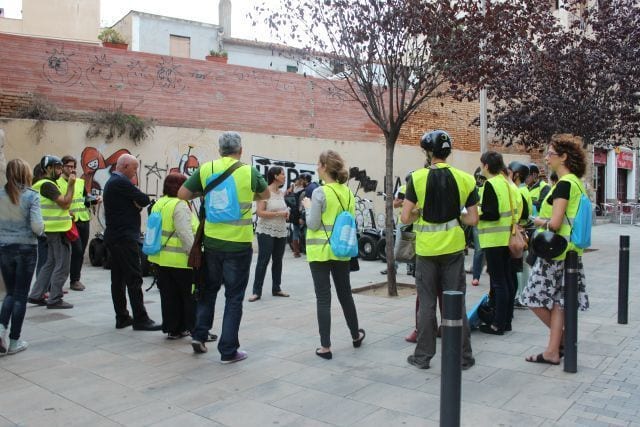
{"x":496,"y":233}
{"x":317,"y":241}
{"x":235,"y":231}
{"x":440,"y":239}
{"x":77,"y":209}
{"x":56,"y":219}
{"x":546,"y":211}
{"x":172,"y":253}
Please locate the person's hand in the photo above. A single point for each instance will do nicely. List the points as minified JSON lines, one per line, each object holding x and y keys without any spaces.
{"x":306,"y":202}
{"x":72,"y":179}
{"x":286,"y":214}
{"x":98,"y":200}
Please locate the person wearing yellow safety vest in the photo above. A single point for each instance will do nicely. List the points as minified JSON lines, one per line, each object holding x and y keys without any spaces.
{"x":439,"y":199}
{"x":326,"y":203}
{"x":499,"y":206}
{"x":518,"y":173}
{"x":544,"y":292}
{"x":538,"y":188}
{"x":478,"y":254}
{"x":227,"y":243}
{"x":81,"y":216}
{"x":175,"y":277}
{"x":54,"y":205}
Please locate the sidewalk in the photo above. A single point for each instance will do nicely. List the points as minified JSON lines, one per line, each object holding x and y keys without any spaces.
{"x":80,"y":370}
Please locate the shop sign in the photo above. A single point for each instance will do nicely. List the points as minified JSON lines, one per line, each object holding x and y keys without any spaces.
{"x":600,"y":157}
{"x":625,"y":159}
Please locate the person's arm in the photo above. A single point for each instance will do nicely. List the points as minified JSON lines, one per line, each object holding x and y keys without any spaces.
{"x":525,"y":209}
{"x":490,"y":206}
{"x":134,"y":194}
{"x":191,"y":188}
{"x":410,"y":212}
{"x":314,"y":208}
{"x":259,"y":185}
{"x":35,"y":216}
{"x":262,"y":212}
{"x":182,"y":224}
{"x":471,"y":216}
{"x":561,"y":195}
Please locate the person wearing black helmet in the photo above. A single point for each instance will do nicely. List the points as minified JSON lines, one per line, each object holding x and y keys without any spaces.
{"x":478,"y":253}
{"x":57,"y":221}
{"x":538,"y":188}
{"x":438,"y":200}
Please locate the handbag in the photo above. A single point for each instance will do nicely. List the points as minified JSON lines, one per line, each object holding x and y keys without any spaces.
{"x":405,"y":247}
{"x":72,"y":234}
{"x":354,"y":264}
{"x":517,"y":242}
{"x":195,"y":254}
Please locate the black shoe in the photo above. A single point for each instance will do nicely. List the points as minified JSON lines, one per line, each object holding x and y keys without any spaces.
{"x":326,"y":355}
{"x":488,"y":329}
{"x":41,"y":302}
{"x":383,"y":272}
{"x":211,"y":338}
{"x":413,"y":361}
{"x":148,"y":325}
{"x":466,"y":364}
{"x":124,"y":323}
{"x":60,"y":305}
{"x":357,"y":343}
{"x":507,"y":328}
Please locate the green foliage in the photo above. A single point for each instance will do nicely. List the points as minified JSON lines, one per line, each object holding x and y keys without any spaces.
{"x":220,"y":54}
{"x":40,"y":109}
{"x":110,"y":35}
{"x":115,"y":123}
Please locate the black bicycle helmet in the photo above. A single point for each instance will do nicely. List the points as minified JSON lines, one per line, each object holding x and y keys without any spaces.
{"x":438,"y":142}
{"x":533,"y":168}
{"x":50,"y":160}
{"x":547,"y":244}
{"x":520,"y":168}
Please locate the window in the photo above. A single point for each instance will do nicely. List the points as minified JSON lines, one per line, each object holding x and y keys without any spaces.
{"x":292,"y":69}
{"x":180,"y":46}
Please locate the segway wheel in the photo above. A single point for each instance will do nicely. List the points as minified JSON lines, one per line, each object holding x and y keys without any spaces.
{"x":96,"y":252}
{"x":367,"y":248}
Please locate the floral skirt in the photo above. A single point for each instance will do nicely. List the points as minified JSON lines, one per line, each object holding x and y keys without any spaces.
{"x":546,"y":285}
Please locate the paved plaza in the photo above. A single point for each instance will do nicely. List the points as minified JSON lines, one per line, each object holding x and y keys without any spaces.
{"x":80,"y":370}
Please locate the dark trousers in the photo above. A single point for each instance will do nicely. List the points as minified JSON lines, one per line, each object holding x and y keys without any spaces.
{"x":501,"y":284}
{"x":17,"y":263}
{"x":435,"y":274}
{"x":232,"y":269}
{"x":126,"y":277}
{"x":178,"y":305}
{"x":269,"y":249}
{"x":77,"y":250}
{"x":339,"y":271}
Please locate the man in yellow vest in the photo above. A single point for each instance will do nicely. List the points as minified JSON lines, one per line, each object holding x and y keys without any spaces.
{"x":57,"y":221}
{"x":228,"y":237}
{"x":538,"y":188}
{"x":438,"y":199}
{"x":81,"y":216}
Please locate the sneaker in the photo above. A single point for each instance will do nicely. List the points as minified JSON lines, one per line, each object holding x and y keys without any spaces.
{"x":412,"y":337}
{"x":414,"y":361}
{"x":518,"y":304}
{"x":3,"y":340}
{"x":77,"y":286}
{"x":60,"y":305}
{"x":475,"y":282}
{"x":40,"y":302}
{"x":198,"y":347}
{"x":240,"y":355}
{"x":466,"y":364}
{"x":16,"y":346}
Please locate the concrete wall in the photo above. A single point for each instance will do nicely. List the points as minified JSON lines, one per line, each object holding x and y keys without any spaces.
{"x":77,"y":20}
{"x":183,"y":148}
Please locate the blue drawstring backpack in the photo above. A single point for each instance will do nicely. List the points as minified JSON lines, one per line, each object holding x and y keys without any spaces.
{"x":152,"y":243}
{"x":343,"y":240}
{"x":581,"y":227}
{"x":221,"y":203}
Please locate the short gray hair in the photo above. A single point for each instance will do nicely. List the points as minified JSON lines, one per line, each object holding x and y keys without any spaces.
{"x":229,"y":143}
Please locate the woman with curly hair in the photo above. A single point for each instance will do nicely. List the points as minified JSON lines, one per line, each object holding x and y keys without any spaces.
{"x":544,"y":292}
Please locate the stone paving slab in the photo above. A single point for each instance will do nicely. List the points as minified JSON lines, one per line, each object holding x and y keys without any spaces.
{"x":80,"y":370}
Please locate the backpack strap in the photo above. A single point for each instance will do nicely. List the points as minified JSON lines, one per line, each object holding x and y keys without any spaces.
{"x":213,"y":184}
{"x":341,"y":207}
{"x":571,"y":181}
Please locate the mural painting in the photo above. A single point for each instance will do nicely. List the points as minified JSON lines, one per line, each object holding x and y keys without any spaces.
{"x":292,"y":169}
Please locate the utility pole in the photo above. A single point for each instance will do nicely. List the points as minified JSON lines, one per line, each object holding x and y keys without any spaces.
{"x":483,"y":106}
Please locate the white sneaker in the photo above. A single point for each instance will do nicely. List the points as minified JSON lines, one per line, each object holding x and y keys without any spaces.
{"x":3,"y":340}
{"x":16,"y":346}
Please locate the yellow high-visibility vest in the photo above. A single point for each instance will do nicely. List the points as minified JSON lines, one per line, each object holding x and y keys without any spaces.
{"x":77,"y":209}
{"x":172,"y":253}
{"x":56,"y":219}
{"x":496,"y":233}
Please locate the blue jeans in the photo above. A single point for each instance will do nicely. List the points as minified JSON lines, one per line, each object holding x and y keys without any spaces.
{"x":17,"y":263}
{"x":232,"y":269}
{"x":269,"y":249}
{"x":478,"y":255}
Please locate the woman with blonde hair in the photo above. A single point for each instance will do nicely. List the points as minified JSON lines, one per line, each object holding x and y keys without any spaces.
{"x":20,"y":224}
{"x":544,"y":292}
{"x":322,"y":209}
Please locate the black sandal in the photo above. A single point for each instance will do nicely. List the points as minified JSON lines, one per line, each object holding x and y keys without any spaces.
{"x":325,"y":355}
{"x":357,"y":343}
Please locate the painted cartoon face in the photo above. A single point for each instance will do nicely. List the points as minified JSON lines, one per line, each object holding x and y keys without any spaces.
{"x":93,"y":164}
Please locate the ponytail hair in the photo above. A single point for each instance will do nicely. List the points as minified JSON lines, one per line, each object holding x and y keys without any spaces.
{"x":334,"y":166}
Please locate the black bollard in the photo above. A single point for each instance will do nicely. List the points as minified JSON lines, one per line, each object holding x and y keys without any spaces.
{"x":451,"y":376}
{"x":623,"y":281}
{"x":571,"y":273}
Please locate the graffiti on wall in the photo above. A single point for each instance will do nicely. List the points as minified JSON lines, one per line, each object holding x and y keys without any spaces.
{"x":291,"y":169}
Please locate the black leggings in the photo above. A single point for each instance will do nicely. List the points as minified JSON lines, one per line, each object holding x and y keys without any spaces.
{"x":501,"y":283}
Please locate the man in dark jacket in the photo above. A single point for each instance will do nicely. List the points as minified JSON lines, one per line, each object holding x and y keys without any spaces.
{"x":123,"y":202}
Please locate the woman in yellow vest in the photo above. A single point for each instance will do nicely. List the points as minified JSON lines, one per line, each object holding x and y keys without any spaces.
{"x":321,"y":210}
{"x":499,"y":205}
{"x":175,"y":278}
{"x":544,"y":292}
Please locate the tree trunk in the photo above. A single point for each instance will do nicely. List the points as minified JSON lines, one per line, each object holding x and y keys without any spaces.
{"x":388,"y":223}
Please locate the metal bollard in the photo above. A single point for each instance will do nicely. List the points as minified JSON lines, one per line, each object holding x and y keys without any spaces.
{"x":450,"y":381}
{"x":623,"y":281}
{"x":571,"y":312}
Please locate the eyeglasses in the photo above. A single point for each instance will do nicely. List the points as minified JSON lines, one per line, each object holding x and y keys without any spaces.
{"x":69,"y":166}
{"x":551,"y":154}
